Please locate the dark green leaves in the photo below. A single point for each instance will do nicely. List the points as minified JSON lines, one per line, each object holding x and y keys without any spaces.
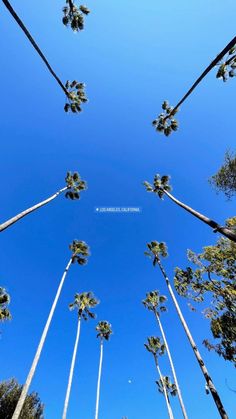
{"x":155,"y":346}
{"x":165,"y":123}
{"x":160,"y":185}
{"x":170,"y":388}
{"x":154,"y":302}
{"x":225,"y":179}
{"x":4,"y":301}
{"x":74,"y":16}
{"x":75,"y":185}
{"x":80,"y":252}
{"x":155,"y":250}
{"x":76,"y":96}
{"x":104,"y":330}
{"x":227,"y":68}
{"x":82,"y":303}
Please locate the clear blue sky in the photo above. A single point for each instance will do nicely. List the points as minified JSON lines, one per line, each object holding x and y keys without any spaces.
{"x":132,"y":55}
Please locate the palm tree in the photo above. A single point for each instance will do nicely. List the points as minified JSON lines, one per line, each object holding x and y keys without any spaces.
{"x":82,"y":302}
{"x":74,"y":185}
{"x":155,"y":251}
{"x":75,"y":94}
{"x":169,"y":386}
{"x":4,"y":302}
{"x":80,"y":252}
{"x":155,"y":303}
{"x":74,"y":16}
{"x":165,"y":122}
{"x":157,"y":348}
{"x":104,"y":332}
{"x":161,"y":187}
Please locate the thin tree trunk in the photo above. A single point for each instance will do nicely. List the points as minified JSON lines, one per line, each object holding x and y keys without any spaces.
{"x":26,"y":386}
{"x":205,"y":72}
{"x":32,"y":41}
{"x":208,"y":379}
{"x":172,"y":366}
{"x":171,"y":416}
{"x":22,"y":214}
{"x":71,"y":370}
{"x":99,"y":380}
{"x":223,"y":230}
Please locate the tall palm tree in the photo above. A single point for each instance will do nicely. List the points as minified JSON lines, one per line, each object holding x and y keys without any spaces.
{"x":164,"y":122}
{"x":155,"y":303}
{"x":74,"y":92}
{"x":4,"y":302}
{"x":157,"y":348}
{"x":169,"y":386}
{"x":155,"y":251}
{"x":104,"y":332}
{"x":161,"y":187}
{"x":74,"y":15}
{"x":80,"y":252}
{"x":74,"y":185}
{"x":82,"y":303}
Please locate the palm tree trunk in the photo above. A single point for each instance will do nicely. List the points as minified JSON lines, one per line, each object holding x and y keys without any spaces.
{"x":172,"y":366}
{"x":32,"y":41}
{"x":223,"y":230}
{"x":171,"y":416}
{"x":205,"y":72}
{"x":99,"y":380}
{"x":71,"y":370}
{"x":22,"y":214}
{"x":26,"y":386}
{"x":208,"y":379}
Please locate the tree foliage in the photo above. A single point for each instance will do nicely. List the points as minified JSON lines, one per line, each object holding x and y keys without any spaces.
{"x":10,"y":392}
{"x":80,"y":252}
{"x":74,"y":15}
{"x":83,"y":302}
{"x":169,"y":386}
{"x":155,"y":346}
{"x":74,"y":185}
{"x":225,"y":179}
{"x":104,"y":330}
{"x":75,"y":96}
{"x":160,"y":185}
{"x":155,"y":302}
{"x":4,"y":302}
{"x":214,"y":277}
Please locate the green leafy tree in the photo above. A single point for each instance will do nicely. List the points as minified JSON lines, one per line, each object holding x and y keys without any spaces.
{"x":212,"y":277}
{"x":73,"y":188}
{"x":225,"y":179}
{"x":155,"y":303}
{"x":162,"y":187}
{"x":169,"y":386}
{"x":9,"y":394}
{"x":74,"y":96}
{"x":104,"y":332}
{"x":225,"y":60}
{"x":80,"y":253}
{"x":74,"y":15}
{"x":82,"y":303}
{"x":4,"y":302}
{"x":157,"y":348}
{"x":156,"y":251}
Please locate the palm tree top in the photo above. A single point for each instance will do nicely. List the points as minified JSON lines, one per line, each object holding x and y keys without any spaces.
{"x":165,"y":122}
{"x":104,"y":330}
{"x":160,"y":185}
{"x":155,"y":346}
{"x":74,"y":185}
{"x":154,"y":301}
{"x":83,"y":302}
{"x":155,"y":250}
{"x":169,"y":386}
{"x":80,"y":252}
{"x":4,"y":301}
{"x":73,"y":15}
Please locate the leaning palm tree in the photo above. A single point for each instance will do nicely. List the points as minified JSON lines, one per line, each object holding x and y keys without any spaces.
{"x":80,"y":253}
{"x":165,"y":122}
{"x":104,"y":332}
{"x":155,"y":251}
{"x":82,"y":303}
{"x":157,"y":348}
{"x":155,"y":303}
{"x":74,"y":185}
{"x":162,"y":187}
{"x":74,"y":91}
{"x":4,"y":302}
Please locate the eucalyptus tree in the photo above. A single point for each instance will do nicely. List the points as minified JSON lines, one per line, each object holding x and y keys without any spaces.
{"x":79,"y":254}
{"x":104,"y":332}
{"x":226,"y":62}
{"x":73,"y":188}
{"x":155,"y":251}
{"x":162,"y":187}
{"x":155,"y":303}
{"x":4,"y":302}
{"x":74,"y":92}
{"x":82,"y":303}
{"x":225,"y":178}
{"x":210,"y":280}
{"x":74,"y":15}
{"x":157,"y":348}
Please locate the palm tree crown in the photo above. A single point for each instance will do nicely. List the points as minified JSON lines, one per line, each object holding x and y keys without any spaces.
{"x":83,"y":302}
{"x":104,"y":330}
{"x":170,"y":387}
{"x":155,"y":250}
{"x":4,"y":301}
{"x":154,"y":302}
{"x":74,"y":185}
{"x":160,"y":185}
{"x":80,"y":252}
{"x":155,"y":346}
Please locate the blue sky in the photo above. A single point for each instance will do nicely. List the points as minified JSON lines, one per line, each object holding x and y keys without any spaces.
{"x":131,"y":56}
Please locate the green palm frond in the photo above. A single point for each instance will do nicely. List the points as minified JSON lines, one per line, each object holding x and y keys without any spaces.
{"x":80,"y":252}
{"x":74,"y":185}
{"x":154,"y":302}
{"x":83,"y":302}
{"x":104,"y":330}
